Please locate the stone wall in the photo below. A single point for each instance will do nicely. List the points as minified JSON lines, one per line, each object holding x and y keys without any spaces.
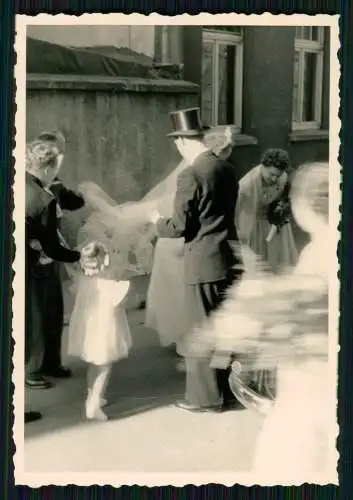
{"x":116,"y":130}
{"x":138,"y":38}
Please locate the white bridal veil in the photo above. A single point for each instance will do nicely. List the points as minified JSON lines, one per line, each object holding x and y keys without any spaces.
{"x":125,"y":228}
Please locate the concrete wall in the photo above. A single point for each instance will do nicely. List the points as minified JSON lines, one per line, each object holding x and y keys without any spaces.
{"x":138,"y":38}
{"x":116,"y":137}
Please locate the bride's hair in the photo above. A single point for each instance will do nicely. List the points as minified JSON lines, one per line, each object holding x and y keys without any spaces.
{"x":220,"y":138}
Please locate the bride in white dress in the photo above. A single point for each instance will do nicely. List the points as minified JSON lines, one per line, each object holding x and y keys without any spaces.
{"x":164,"y":304}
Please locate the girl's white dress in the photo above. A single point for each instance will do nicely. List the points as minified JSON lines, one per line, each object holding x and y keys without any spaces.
{"x":99,"y":332}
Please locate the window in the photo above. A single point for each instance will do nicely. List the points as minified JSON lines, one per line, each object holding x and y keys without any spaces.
{"x":308,"y":77}
{"x":222,"y":76}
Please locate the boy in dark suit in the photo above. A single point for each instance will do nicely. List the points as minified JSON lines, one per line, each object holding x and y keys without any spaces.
{"x":46,"y":276}
{"x":204,"y":215}
{"x":43,"y":162}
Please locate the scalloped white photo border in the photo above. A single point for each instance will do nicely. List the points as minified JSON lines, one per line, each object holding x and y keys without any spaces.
{"x":227,"y":478}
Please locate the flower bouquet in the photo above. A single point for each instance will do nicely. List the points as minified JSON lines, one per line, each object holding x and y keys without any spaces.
{"x":126,"y":242}
{"x":95,"y":258}
{"x":279,"y":212}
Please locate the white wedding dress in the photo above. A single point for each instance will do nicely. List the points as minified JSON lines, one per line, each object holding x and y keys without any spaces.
{"x":165,"y":308}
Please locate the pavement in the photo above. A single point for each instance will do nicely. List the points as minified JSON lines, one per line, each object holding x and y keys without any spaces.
{"x":145,"y":432}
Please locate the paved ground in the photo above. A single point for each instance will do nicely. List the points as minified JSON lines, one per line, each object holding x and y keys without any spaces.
{"x":145,"y":432}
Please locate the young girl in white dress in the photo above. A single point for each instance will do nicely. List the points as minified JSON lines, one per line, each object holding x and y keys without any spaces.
{"x":99,"y":332}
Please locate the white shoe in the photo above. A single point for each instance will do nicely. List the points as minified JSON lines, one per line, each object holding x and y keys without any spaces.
{"x":94,"y":411}
{"x":103,"y":401}
{"x":180,"y":366}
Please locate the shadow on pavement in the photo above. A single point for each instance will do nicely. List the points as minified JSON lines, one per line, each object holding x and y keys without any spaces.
{"x":145,"y":381}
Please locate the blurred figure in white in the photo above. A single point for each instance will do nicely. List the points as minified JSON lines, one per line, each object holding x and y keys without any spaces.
{"x":263,"y":220}
{"x":296,"y":430}
{"x":284,"y":320}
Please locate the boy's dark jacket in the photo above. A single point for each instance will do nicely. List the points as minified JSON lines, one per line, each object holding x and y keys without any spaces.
{"x":67,"y":199}
{"x":42,"y":222}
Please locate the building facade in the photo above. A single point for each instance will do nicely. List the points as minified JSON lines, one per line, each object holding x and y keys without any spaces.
{"x":272,"y":83}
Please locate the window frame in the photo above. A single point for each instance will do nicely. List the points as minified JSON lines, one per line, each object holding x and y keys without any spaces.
{"x":217,"y":38}
{"x":310,"y":47}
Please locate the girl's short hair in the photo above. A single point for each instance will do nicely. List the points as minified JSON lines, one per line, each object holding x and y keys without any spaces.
{"x":311,"y":183}
{"x":277,"y":158}
{"x":41,"y":154}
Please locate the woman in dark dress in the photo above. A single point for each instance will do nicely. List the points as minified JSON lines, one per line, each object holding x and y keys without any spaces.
{"x":43,"y":161}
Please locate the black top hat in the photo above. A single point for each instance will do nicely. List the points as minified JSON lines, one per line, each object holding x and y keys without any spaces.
{"x":186,"y":123}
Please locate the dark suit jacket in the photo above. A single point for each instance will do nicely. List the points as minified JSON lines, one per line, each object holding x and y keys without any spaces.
{"x":67,"y":198}
{"x":41,"y":225}
{"x":204,"y":215}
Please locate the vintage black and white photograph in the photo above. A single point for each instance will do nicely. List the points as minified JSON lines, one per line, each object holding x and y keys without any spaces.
{"x":176,"y":208}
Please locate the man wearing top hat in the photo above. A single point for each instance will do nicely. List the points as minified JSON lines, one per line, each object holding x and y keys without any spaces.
{"x":204,"y":214}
